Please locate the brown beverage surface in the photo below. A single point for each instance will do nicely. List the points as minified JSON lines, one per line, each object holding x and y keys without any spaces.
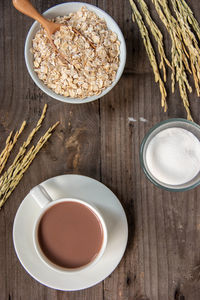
{"x":70,"y":234}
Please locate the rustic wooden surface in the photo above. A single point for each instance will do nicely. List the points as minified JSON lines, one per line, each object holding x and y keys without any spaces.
{"x":97,"y":140}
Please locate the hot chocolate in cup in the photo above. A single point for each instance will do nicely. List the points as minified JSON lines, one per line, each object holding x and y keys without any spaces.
{"x":69,"y":234}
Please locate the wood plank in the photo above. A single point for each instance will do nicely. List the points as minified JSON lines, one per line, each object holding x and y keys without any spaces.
{"x":102,"y":140}
{"x":73,"y":144}
{"x":162,"y":231}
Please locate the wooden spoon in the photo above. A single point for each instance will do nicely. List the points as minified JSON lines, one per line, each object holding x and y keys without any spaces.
{"x":25,"y":7}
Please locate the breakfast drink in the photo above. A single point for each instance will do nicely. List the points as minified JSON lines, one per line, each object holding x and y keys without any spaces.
{"x":70,"y":234}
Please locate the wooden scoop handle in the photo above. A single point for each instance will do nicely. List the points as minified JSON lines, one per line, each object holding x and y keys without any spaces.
{"x":25,"y":7}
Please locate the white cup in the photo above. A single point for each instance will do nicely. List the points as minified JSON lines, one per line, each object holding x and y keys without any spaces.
{"x":43,"y":199}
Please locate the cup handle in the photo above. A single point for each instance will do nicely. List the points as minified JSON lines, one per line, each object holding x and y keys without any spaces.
{"x":40,"y":195}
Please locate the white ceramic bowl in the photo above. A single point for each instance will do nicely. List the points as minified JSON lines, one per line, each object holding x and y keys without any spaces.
{"x":63,"y":10}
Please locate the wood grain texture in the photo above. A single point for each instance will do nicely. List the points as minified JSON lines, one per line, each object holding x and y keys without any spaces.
{"x":99,"y":140}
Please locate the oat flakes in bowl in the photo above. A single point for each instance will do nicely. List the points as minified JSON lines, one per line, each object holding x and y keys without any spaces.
{"x":89,"y":73}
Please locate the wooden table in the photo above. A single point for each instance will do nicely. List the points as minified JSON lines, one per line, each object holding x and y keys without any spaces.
{"x":99,"y":140}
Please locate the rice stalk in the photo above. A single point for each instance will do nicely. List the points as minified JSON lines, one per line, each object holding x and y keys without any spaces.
{"x":150,"y":52}
{"x":158,"y":37}
{"x":180,"y":56}
{"x":20,"y":168}
{"x":9,"y":146}
{"x":190,"y":42}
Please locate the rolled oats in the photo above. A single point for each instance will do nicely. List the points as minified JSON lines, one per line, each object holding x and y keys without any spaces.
{"x":87,"y":71}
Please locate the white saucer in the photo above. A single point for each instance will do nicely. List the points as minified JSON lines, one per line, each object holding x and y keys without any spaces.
{"x":91,"y":191}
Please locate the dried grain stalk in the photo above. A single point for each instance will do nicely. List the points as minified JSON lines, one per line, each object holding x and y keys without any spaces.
{"x":9,"y":146}
{"x":158,"y":37}
{"x":20,"y":168}
{"x":6,"y":146}
{"x":180,"y":56}
{"x":22,"y":149}
{"x":190,"y":42}
{"x":10,"y":178}
{"x":189,"y":16}
{"x":150,"y":51}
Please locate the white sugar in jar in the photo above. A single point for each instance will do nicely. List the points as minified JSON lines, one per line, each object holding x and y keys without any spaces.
{"x":173,"y":156}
